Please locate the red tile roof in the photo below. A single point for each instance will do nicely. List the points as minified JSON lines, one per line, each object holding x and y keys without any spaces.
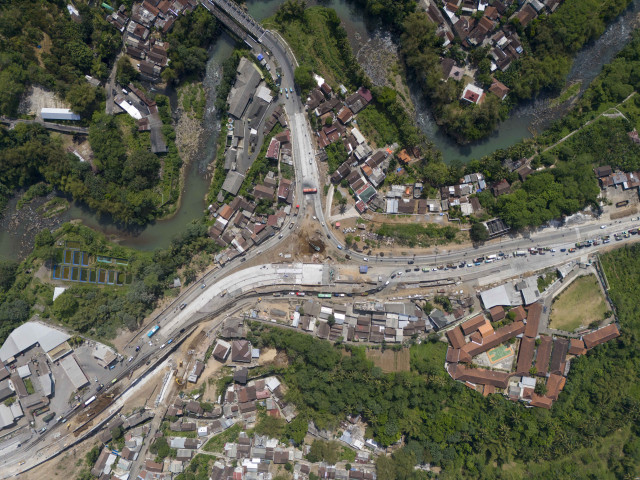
{"x":525,"y":356}
{"x":478,"y":376}
{"x":576,"y":347}
{"x":533,"y":320}
{"x":473,"y":324}
{"x":555,"y":383}
{"x":544,"y":354}
{"x":497,"y":313}
{"x":519,"y":313}
{"x":456,"y":337}
{"x":496,"y":338}
{"x":539,"y":401}
{"x":600,"y":336}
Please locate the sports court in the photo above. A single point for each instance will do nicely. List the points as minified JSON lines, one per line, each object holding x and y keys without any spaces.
{"x":499,"y":353}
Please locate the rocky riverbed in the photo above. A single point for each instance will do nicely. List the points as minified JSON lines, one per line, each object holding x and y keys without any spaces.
{"x":25,"y":223}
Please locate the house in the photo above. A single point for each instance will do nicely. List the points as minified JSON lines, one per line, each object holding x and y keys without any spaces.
{"x":603,"y":171}
{"x":497,"y":313}
{"x":525,"y":355}
{"x":262,"y":192}
{"x":526,"y":14}
{"x":544,"y":354}
{"x":345,"y":115}
{"x":534,"y":311}
{"x":478,"y":376}
{"x":500,"y":188}
{"x":473,"y":94}
{"x":456,"y":338}
{"x":472,"y":325}
{"x":499,"y":89}
{"x":241,"y":351}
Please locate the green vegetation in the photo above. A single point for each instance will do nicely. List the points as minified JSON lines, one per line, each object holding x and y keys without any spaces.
{"x":42,"y":45}
{"x":547,"y":279}
{"x":567,"y":94}
{"x":418,"y":235}
{"x":29,"y":386}
{"x":198,"y":469}
{"x":579,"y":305}
{"x":478,"y":233}
{"x":160,"y":448}
{"x":193,"y":99}
{"x":189,"y":39}
{"x":36,"y":190}
{"x":216,"y":444}
{"x":329,"y":452}
{"x":337,"y":155}
{"x":90,"y":308}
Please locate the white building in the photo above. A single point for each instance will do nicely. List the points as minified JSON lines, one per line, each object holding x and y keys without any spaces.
{"x":58,"y":114}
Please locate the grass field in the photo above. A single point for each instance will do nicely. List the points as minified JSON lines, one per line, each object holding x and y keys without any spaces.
{"x":390,"y":361}
{"x":580,"y":304}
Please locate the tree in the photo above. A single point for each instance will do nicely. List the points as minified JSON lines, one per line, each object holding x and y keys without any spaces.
{"x":303,"y":76}
{"x":44,"y":238}
{"x":125,"y":72}
{"x":7,"y":273}
{"x":331,"y":320}
{"x":478,"y":233}
{"x":82,"y":97}
{"x":65,"y":306}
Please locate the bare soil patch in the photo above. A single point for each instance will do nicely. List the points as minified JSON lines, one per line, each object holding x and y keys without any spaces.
{"x":390,"y":361}
{"x":580,"y":304}
{"x":63,"y":466}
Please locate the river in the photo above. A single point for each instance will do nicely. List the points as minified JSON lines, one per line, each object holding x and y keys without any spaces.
{"x":15,"y":241}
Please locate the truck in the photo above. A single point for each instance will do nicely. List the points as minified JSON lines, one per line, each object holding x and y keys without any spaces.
{"x":153,"y":331}
{"x":47,"y":418}
{"x":90,"y":401}
{"x":309,"y":190}
{"x":520,"y":253}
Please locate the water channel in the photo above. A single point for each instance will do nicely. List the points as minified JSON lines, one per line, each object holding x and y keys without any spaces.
{"x":588,"y":63}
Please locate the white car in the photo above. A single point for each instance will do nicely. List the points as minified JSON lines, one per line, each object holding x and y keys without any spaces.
{"x":602,"y":227}
{"x":365,"y":259}
{"x":469,"y":264}
{"x":315,"y":218}
{"x":387,"y":282}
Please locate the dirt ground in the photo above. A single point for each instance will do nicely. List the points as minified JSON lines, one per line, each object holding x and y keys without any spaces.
{"x":45,"y":48}
{"x":267,"y":355}
{"x":615,"y":195}
{"x":390,"y":361}
{"x":39,"y":98}
{"x":146,"y":396}
{"x":63,"y":466}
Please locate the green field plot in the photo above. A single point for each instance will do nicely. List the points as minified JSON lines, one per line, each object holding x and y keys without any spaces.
{"x":580,"y":304}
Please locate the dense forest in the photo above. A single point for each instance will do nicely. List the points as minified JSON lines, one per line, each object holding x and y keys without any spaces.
{"x":41,"y":45}
{"x":590,"y":433}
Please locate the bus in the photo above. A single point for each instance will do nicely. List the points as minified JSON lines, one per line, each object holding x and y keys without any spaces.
{"x":90,"y":401}
{"x":153,"y":331}
{"x":325,"y":295}
{"x":309,"y":190}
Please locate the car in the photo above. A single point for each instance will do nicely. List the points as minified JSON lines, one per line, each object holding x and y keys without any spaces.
{"x":163,"y":345}
{"x":399,"y":274}
{"x":169,"y":341}
{"x":112,"y":367}
{"x":411,"y":262}
{"x":563,"y":250}
{"x":408,"y":270}
{"x":182,"y":305}
{"x":42,"y":430}
{"x":553,"y":250}
{"x":315,"y":218}
{"x":130,"y":359}
{"x":322,"y":224}
{"x":393,"y":275}
{"x":287,"y":95}
{"x":365,"y":259}
{"x":416,"y":269}
{"x":280,"y":91}
{"x":387,"y":282}
{"x":602,"y":227}
{"x":138,"y":348}
{"x":124,"y":91}
{"x":469,"y":264}
{"x":290,"y":226}
{"x":243,"y":260}
{"x":203,"y":285}
{"x":100,"y":387}
{"x":339,"y":247}
{"x":151,"y":344}
{"x":290,"y":89}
